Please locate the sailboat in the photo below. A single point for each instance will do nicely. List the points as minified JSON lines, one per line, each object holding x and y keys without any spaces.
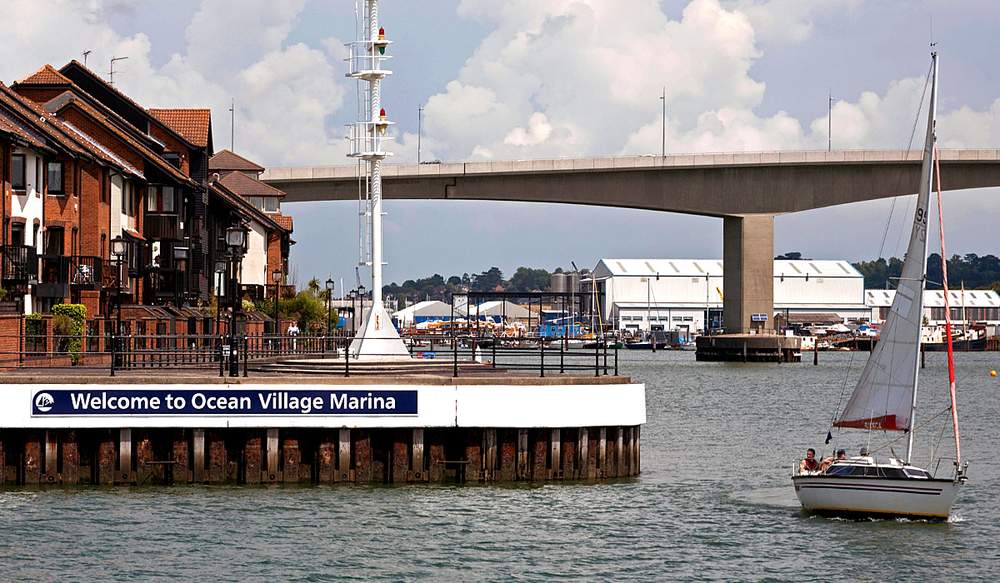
{"x":885,"y":397}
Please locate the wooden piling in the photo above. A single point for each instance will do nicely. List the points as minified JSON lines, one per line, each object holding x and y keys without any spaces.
{"x":489,"y":455}
{"x":555,"y":455}
{"x":180,"y":469}
{"x":567,"y":462}
{"x":523,"y":455}
{"x":106,"y":459}
{"x":326,"y":458}
{"x":125,"y":474}
{"x":253,"y":463}
{"x":400,"y":465}
{"x":473,"y":456}
{"x":291,"y":458}
{"x":344,"y":472}
{"x":218,"y":462}
{"x":583,"y":449}
{"x":619,"y":452}
{"x":602,"y":452}
{"x":508,"y":455}
{"x":272,"y":469}
{"x":32,"y":458}
{"x":435,"y":454}
{"x":50,"y":471}
{"x":418,"y":471}
{"x":198,"y":473}
{"x":147,"y":470}
{"x":362,"y":456}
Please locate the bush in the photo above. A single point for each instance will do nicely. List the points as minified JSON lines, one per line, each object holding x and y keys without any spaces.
{"x":70,"y":320}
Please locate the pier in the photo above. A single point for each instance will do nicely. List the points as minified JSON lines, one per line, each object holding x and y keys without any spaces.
{"x":179,"y":428}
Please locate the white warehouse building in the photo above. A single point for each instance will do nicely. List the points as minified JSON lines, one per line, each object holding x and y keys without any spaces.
{"x":975,"y":306}
{"x":676,"y":294}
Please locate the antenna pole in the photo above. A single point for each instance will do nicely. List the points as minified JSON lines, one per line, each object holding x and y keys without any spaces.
{"x":663,"y":123}
{"x":111,"y":72}
{"x":232,"y":126}
{"x":829,"y":122}
{"x":85,"y":55}
{"x":420,"y":130}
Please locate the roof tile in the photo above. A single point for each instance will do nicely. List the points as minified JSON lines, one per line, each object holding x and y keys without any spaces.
{"x":243,"y":185}
{"x":191,"y":123}
{"x":47,"y":75}
{"x":227,"y":160}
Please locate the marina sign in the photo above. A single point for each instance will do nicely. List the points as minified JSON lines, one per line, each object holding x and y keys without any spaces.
{"x":758,"y":317}
{"x":196,"y":402}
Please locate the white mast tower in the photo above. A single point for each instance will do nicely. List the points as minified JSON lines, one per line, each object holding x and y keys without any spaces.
{"x":378,"y":338}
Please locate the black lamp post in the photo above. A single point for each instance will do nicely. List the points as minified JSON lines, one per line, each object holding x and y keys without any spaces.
{"x":352,"y":295}
{"x":329,"y":298}
{"x":220,"y":282}
{"x":119,"y":247}
{"x":276,"y":278}
{"x":236,"y":240}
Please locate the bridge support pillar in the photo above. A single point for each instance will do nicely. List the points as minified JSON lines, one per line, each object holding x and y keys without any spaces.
{"x":748,"y":277}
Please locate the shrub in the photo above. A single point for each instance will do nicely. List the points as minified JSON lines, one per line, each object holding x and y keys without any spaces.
{"x":69,"y":321}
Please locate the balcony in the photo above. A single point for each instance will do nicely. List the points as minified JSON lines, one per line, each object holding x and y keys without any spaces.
{"x":87,"y":271}
{"x":20,"y":264}
{"x":53,"y":282}
{"x":162,"y":227}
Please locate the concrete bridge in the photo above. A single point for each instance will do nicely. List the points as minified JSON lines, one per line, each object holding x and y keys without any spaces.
{"x":746,"y":189}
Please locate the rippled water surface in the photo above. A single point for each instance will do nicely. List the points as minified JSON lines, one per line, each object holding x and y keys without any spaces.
{"x":714,"y":502}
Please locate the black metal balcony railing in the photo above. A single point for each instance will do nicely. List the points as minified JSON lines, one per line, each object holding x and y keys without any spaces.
{"x":20,"y":263}
{"x":87,"y":271}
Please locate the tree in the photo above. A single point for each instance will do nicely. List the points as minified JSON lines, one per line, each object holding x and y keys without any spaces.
{"x":526,"y":279}
{"x":793,"y":256}
{"x":488,"y":280}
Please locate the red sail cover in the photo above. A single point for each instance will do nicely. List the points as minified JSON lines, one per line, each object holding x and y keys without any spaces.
{"x":883,"y":423}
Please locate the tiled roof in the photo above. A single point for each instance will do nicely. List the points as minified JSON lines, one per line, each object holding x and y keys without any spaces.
{"x":236,"y":201}
{"x":47,"y":75}
{"x":243,"y":185}
{"x":14,"y":128}
{"x":227,"y":160}
{"x":68,"y":97}
{"x":284,"y":220}
{"x":78,"y":66}
{"x":193,"y":124}
{"x":29,"y":115}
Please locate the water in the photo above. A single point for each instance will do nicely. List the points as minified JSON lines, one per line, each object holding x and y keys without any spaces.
{"x":714,"y":503}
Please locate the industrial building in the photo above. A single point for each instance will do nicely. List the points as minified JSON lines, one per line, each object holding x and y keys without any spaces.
{"x":974,"y":306}
{"x":678,"y":294}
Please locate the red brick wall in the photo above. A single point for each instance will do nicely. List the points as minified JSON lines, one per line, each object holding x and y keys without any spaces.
{"x":63,"y":210}
{"x":172,"y":145}
{"x":274,"y":259}
{"x":95,"y":212}
{"x":39,"y":94}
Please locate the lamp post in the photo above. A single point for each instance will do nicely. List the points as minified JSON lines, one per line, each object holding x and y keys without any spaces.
{"x":352,"y":294}
{"x":276,"y":278}
{"x":220,"y":280}
{"x":236,"y":240}
{"x":119,"y":247}
{"x":329,"y":298}
{"x":361,"y":300}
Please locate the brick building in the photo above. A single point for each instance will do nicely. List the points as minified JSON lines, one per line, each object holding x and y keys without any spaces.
{"x":82,"y":164}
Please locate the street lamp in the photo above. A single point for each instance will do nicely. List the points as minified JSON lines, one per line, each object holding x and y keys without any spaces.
{"x":276,"y":278}
{"x":329,"y":298}
{"x":220,"y":281}
{"x":119,"y":247}
{"x":352,"y":295}
{"x":236,"y":240}
{"x":362,"y":291}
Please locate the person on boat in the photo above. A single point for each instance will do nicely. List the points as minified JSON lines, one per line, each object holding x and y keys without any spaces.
{"x":810,"y":463}
{"x":864,"y":452}
{"x":827,"y":462}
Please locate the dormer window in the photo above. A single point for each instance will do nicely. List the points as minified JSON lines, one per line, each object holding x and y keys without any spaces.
{"x":17,"y":181}
{"x":267,"y":204}
{"x":173,"y":159}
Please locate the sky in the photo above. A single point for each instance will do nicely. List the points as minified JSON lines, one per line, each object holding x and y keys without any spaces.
{"x":524,"y":79}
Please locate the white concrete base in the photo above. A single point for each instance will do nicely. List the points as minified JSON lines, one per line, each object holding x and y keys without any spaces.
{"x":378,"y":340}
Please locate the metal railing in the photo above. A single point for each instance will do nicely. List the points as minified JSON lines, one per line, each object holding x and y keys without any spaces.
{"x":455,"y":355}
{"x":20,"y":263}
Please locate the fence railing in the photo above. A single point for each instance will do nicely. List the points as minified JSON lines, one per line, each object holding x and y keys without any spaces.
{"x":458,"y":354}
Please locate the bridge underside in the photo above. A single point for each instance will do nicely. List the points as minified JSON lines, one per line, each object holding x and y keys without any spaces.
{"x":747,"y":190}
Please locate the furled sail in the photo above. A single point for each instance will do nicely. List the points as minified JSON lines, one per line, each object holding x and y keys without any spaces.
{"x":883,"y":397}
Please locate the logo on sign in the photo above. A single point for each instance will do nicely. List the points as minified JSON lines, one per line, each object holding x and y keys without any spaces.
{"x":44,"y":402}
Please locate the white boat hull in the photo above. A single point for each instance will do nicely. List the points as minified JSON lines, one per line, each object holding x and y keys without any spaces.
{"x":876,"y":496}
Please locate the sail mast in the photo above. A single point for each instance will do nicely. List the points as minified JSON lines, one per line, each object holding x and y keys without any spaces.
{"x":947,"y":316}
{"x":923,"y":201}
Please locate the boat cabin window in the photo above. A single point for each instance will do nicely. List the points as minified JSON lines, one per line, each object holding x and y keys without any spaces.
{"x":865,"y":471}
{"x":917,"y":473}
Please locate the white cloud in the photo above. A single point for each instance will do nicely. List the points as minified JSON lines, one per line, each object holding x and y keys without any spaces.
{"x":234,"y":50}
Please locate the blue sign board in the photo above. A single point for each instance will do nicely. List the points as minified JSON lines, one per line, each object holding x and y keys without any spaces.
{"x":86,"y":402}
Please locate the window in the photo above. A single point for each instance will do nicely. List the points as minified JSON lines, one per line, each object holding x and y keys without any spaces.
{"x":17,"y":181}
{"x":54,"y":177}
{"x":270,"y":204}
{"x":53,"y":241}
{"x":17,"y":234}
{"x":173,"y":159}
{"x":161,"y":199}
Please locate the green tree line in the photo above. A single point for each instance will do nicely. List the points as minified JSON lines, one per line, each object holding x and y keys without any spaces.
{"x":436,"y":287}
{"x":975,"y":271}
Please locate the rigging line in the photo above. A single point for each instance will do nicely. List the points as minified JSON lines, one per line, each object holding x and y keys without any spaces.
{"x":909,"y":144}
{"x":903,"y":434}
{"x":885,"y":233}
{"x":899,"y":238}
